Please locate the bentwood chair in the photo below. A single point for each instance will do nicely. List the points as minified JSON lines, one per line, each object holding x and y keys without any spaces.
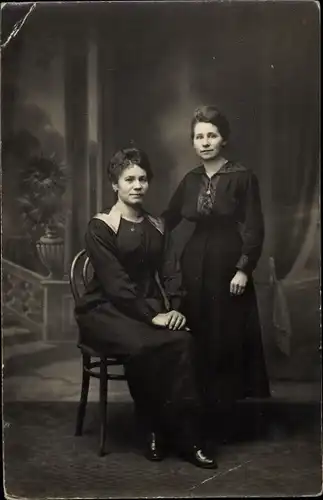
{"x":94,"y":363}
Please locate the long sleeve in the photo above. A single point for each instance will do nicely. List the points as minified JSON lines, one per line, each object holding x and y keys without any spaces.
{"x":116,"y":283}
{"x":252,"y":225}
{"x":170,"y":272}
{"x":172,"y":215}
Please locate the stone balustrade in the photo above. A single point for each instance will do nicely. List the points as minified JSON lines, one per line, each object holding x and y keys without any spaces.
{"x":44,"y":306}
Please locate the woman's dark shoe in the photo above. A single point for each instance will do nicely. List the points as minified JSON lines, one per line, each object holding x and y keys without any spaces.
{"x":154,"y":449}
{"x":197,"y":456}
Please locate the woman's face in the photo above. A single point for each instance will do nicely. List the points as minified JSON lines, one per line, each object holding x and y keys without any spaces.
{"x":132,"y":185}
{"x":207,"y":141}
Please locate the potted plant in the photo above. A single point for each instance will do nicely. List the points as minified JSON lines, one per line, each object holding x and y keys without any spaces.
{"x":43,"y":186}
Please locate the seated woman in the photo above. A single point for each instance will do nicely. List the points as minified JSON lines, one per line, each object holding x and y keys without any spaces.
{"x":130,"y":309}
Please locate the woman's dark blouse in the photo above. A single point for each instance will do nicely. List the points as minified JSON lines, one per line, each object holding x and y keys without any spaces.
{"x":125,"y":265}
{"x":230,"y":197}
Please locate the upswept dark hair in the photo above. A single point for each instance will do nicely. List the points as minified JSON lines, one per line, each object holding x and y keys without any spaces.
{"x":125,"y":157}
{"x":211,"y":114}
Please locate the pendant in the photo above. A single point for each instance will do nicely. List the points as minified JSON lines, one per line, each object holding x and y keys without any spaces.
{"x":133,"y":228}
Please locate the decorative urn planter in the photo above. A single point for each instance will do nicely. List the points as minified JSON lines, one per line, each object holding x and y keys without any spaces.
{"x":50,"y":248}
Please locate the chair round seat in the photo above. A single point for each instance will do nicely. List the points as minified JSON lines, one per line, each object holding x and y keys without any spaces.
{"x":95,"y":353}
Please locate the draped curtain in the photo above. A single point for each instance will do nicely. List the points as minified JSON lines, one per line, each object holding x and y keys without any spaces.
{"x":296,"y":174}
{"x":260,"y":64}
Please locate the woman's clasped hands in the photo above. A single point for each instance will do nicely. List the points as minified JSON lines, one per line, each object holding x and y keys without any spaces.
{"x":174,"y":320}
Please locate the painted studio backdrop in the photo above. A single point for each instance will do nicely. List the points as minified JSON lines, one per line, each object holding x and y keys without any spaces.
{"x":79,"y":82}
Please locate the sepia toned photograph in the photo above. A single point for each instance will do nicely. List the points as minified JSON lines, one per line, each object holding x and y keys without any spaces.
{"x":160,"y":257}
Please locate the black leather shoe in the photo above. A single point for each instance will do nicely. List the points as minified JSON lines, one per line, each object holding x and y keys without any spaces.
{"x":198,"y":457}
{"x":154,"y":450}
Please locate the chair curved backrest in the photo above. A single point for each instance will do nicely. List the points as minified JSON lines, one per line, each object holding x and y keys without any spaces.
{"x":79,"y":273}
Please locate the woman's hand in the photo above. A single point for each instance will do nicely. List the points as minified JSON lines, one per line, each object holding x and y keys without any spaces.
{"x":174,"y":320}
{"x":238,"y":283}
{"x":160,"y":320}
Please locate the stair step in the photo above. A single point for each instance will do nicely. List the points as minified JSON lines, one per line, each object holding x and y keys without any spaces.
{"x":25,"y":349}
{"x":13,"y":335}
{"x":9,"y":319}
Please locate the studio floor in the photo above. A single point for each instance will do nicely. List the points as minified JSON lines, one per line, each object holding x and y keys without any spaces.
{"x":271,"y":448}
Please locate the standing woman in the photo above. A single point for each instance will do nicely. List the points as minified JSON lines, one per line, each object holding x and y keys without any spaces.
{"x":222,"y":197}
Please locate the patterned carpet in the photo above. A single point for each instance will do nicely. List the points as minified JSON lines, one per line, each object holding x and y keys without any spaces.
{"x":277,"y":454}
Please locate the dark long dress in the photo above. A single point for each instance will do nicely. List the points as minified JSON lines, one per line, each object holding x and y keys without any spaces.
{"x":115,"y":313}
{"x":228,"y":236}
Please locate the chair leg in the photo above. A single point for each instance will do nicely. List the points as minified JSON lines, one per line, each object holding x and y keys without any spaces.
{"x":103,"y":404}
{"x":84,"y":396}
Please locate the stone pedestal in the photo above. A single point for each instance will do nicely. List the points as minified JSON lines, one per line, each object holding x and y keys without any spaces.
{"x":58,"y":312}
